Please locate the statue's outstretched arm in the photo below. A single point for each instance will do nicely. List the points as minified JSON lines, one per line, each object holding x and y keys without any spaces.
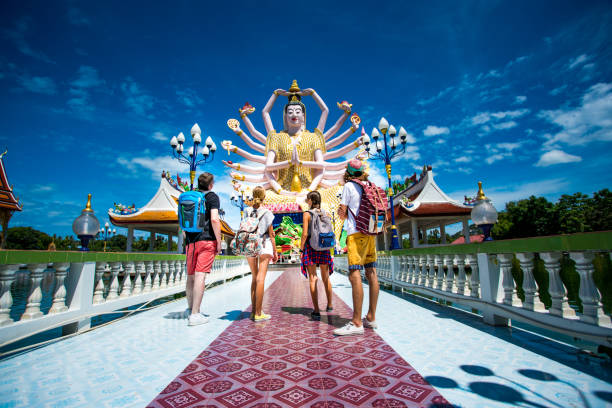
{"x":251,"y":179}
{"x":322,"y":106}
{"x":333,"y":143}
{"x":318,"y":177}
{"x":327,"y":185}
{"x":249,"y":141}
{"x":334,"y":129}
{"x":343,"y":150}
{"x":227,"y":145}
{"x":325,"y":165}
{"x":254,"y":132}
{"x":265,"y":113}
{"x":242,"y":167}
{"x":333,"y":176}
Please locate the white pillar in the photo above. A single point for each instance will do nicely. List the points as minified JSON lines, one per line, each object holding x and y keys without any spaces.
{"x":443,"y":233}
{"x":414,"y":235}
{"x":130,"y":239}
{"x":180,"y":241}
{"x":169,"y":242}
{"x":466,"y":231}
{"x":152,"y":242}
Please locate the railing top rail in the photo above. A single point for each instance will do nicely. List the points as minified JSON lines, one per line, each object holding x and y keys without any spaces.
{"x":13,"y":256}
{"x":567,"y":242}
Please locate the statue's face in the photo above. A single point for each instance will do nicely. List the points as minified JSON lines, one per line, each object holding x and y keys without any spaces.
{"x":295,"y":116}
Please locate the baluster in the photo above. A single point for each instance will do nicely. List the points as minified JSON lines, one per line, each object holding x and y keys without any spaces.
{"x":113,"y":292}
{"x":138,"y":286}
{"x":558,"y":292}
{"x":505,"y":265}
{"x":126,"y":286}
{"x":460,"y":260}
{"x":530,"y":286}
{"x":475,"y":277}
{"x":164,"y":275}
{"x":157,"y":271}
{"x":423,"y":277}
{"x":404,"y":268}
{"x":440,"y":276}
{"x":177,"y":267}
{"x":449,"y":284}
{"x":59,"y":294}
{"x":429,"y":271}
{"x":32,"y":310}
{"x":592,"y":309}
{"x":98,"y":295}
{"x":7,"y":277}
{"x":171,"y":272}
{"x":148,"y":273}
{"x":408,"y":266}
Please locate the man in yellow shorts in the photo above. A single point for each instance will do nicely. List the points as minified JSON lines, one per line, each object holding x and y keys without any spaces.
{"x":361,"y":252}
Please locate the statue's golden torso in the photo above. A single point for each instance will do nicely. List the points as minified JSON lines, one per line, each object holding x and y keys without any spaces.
{"x":296,"y":177}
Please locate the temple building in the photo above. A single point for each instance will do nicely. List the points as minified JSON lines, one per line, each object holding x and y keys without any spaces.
{"x":8,"y":202}
{"x":158,"y":216}
{"x":423,"y":206}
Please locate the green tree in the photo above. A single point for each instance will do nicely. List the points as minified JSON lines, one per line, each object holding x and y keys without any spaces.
{"x":599,"y":214}
{"x":26,"y":238}
{"x":526,"y":218}
{"x":571,"y":213}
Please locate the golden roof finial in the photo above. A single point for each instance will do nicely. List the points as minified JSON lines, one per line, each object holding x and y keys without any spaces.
{"x":88,"y":206}
{"x":480,"y":195}
{"x":294,"y":86}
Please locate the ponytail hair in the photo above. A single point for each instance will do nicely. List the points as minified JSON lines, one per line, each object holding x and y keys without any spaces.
{"x":315,"y":199}
{"x":259,"y":194}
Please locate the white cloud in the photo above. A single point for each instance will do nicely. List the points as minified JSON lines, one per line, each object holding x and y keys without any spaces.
{"x":463,"y":159}
{"x":485,"y":117}
{"x":18,"y":36}
{"x":520,"y":99}
{"x":493,"y":158}
{"x":159,"y":136}
{"x":40,"y":188}
{"x":42,"y":85}
{"x":189,"y":98}
{"x":505,"y":125}
{"x":140,"y":102}
{"x":558,"y":90}
{"x":590,"y":121}
{"x":80,"y":88}
{"x":435,"y":131}
{"x":87,"y":78}
{"x":557,"y":157}
{"x":581,"y":59}
{"x":440,"y":141}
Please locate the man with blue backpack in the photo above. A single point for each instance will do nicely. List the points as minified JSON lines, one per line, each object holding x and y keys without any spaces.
{"x":198,"y":213}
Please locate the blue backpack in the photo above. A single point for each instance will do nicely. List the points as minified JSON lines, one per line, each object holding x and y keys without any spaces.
{"x":191,"y":211}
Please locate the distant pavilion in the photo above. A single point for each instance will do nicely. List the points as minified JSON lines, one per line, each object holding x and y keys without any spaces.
{"x":424,"y":206}
{"x":158,"y":216}
{"x":8,"y":202}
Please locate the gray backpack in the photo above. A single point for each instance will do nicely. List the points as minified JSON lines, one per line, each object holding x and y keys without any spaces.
{"x":320,"y":231}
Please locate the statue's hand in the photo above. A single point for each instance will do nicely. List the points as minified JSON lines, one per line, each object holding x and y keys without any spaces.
{"x":226,"y":144}
{"x":229,"y":164}
{"x":306,"y":92}
{"x":281,"y":92}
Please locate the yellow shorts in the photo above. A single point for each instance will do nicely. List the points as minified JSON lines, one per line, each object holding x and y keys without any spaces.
{"x":361,"y":250}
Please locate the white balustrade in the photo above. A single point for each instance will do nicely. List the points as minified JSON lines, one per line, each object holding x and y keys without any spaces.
{"x":78,"y":290}
{"x":449,"y":284}
{"x":440,"y":276}
{"x":474,"y":277}
{"x":460,"y":261}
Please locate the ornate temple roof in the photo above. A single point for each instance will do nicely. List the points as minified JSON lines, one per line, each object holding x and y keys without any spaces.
{"x":426,"y":199}
{"x":159,"y":214}
{"x":7,"y":198}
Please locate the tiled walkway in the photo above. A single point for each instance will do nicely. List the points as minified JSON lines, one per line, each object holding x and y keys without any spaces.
{"x":293,"y":361}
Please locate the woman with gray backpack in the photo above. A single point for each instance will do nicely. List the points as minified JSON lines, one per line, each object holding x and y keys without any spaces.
{"x":317,"y":241}
{"x":255,"y":240}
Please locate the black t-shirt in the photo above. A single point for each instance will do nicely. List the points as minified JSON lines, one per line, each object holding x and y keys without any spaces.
{"x":207,"y":234}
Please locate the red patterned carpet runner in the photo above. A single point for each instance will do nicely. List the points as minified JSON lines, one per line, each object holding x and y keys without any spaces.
{"x":293,"y":361}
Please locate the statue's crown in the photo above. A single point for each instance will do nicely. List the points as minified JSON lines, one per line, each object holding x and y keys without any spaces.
{"x":294,"y":86}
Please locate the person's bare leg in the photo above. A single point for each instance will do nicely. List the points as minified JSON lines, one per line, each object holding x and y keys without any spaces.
{"x":264,"y":260}
{"x":326,"y":284}
{"x":373,"y":291}
{"x":314,"y":293}
{"x":254,"y":272}
{"x":189,"y":290}
{"x":198,"y":291}
{"x":355,"y":279}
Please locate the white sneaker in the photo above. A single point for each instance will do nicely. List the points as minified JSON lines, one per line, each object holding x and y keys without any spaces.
{"x":369,"y":324}
{"x":348,"y":330}
{"x":196,"y":319}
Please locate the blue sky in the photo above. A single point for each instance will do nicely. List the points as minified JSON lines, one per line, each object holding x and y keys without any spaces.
{"x":516,"y":94}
